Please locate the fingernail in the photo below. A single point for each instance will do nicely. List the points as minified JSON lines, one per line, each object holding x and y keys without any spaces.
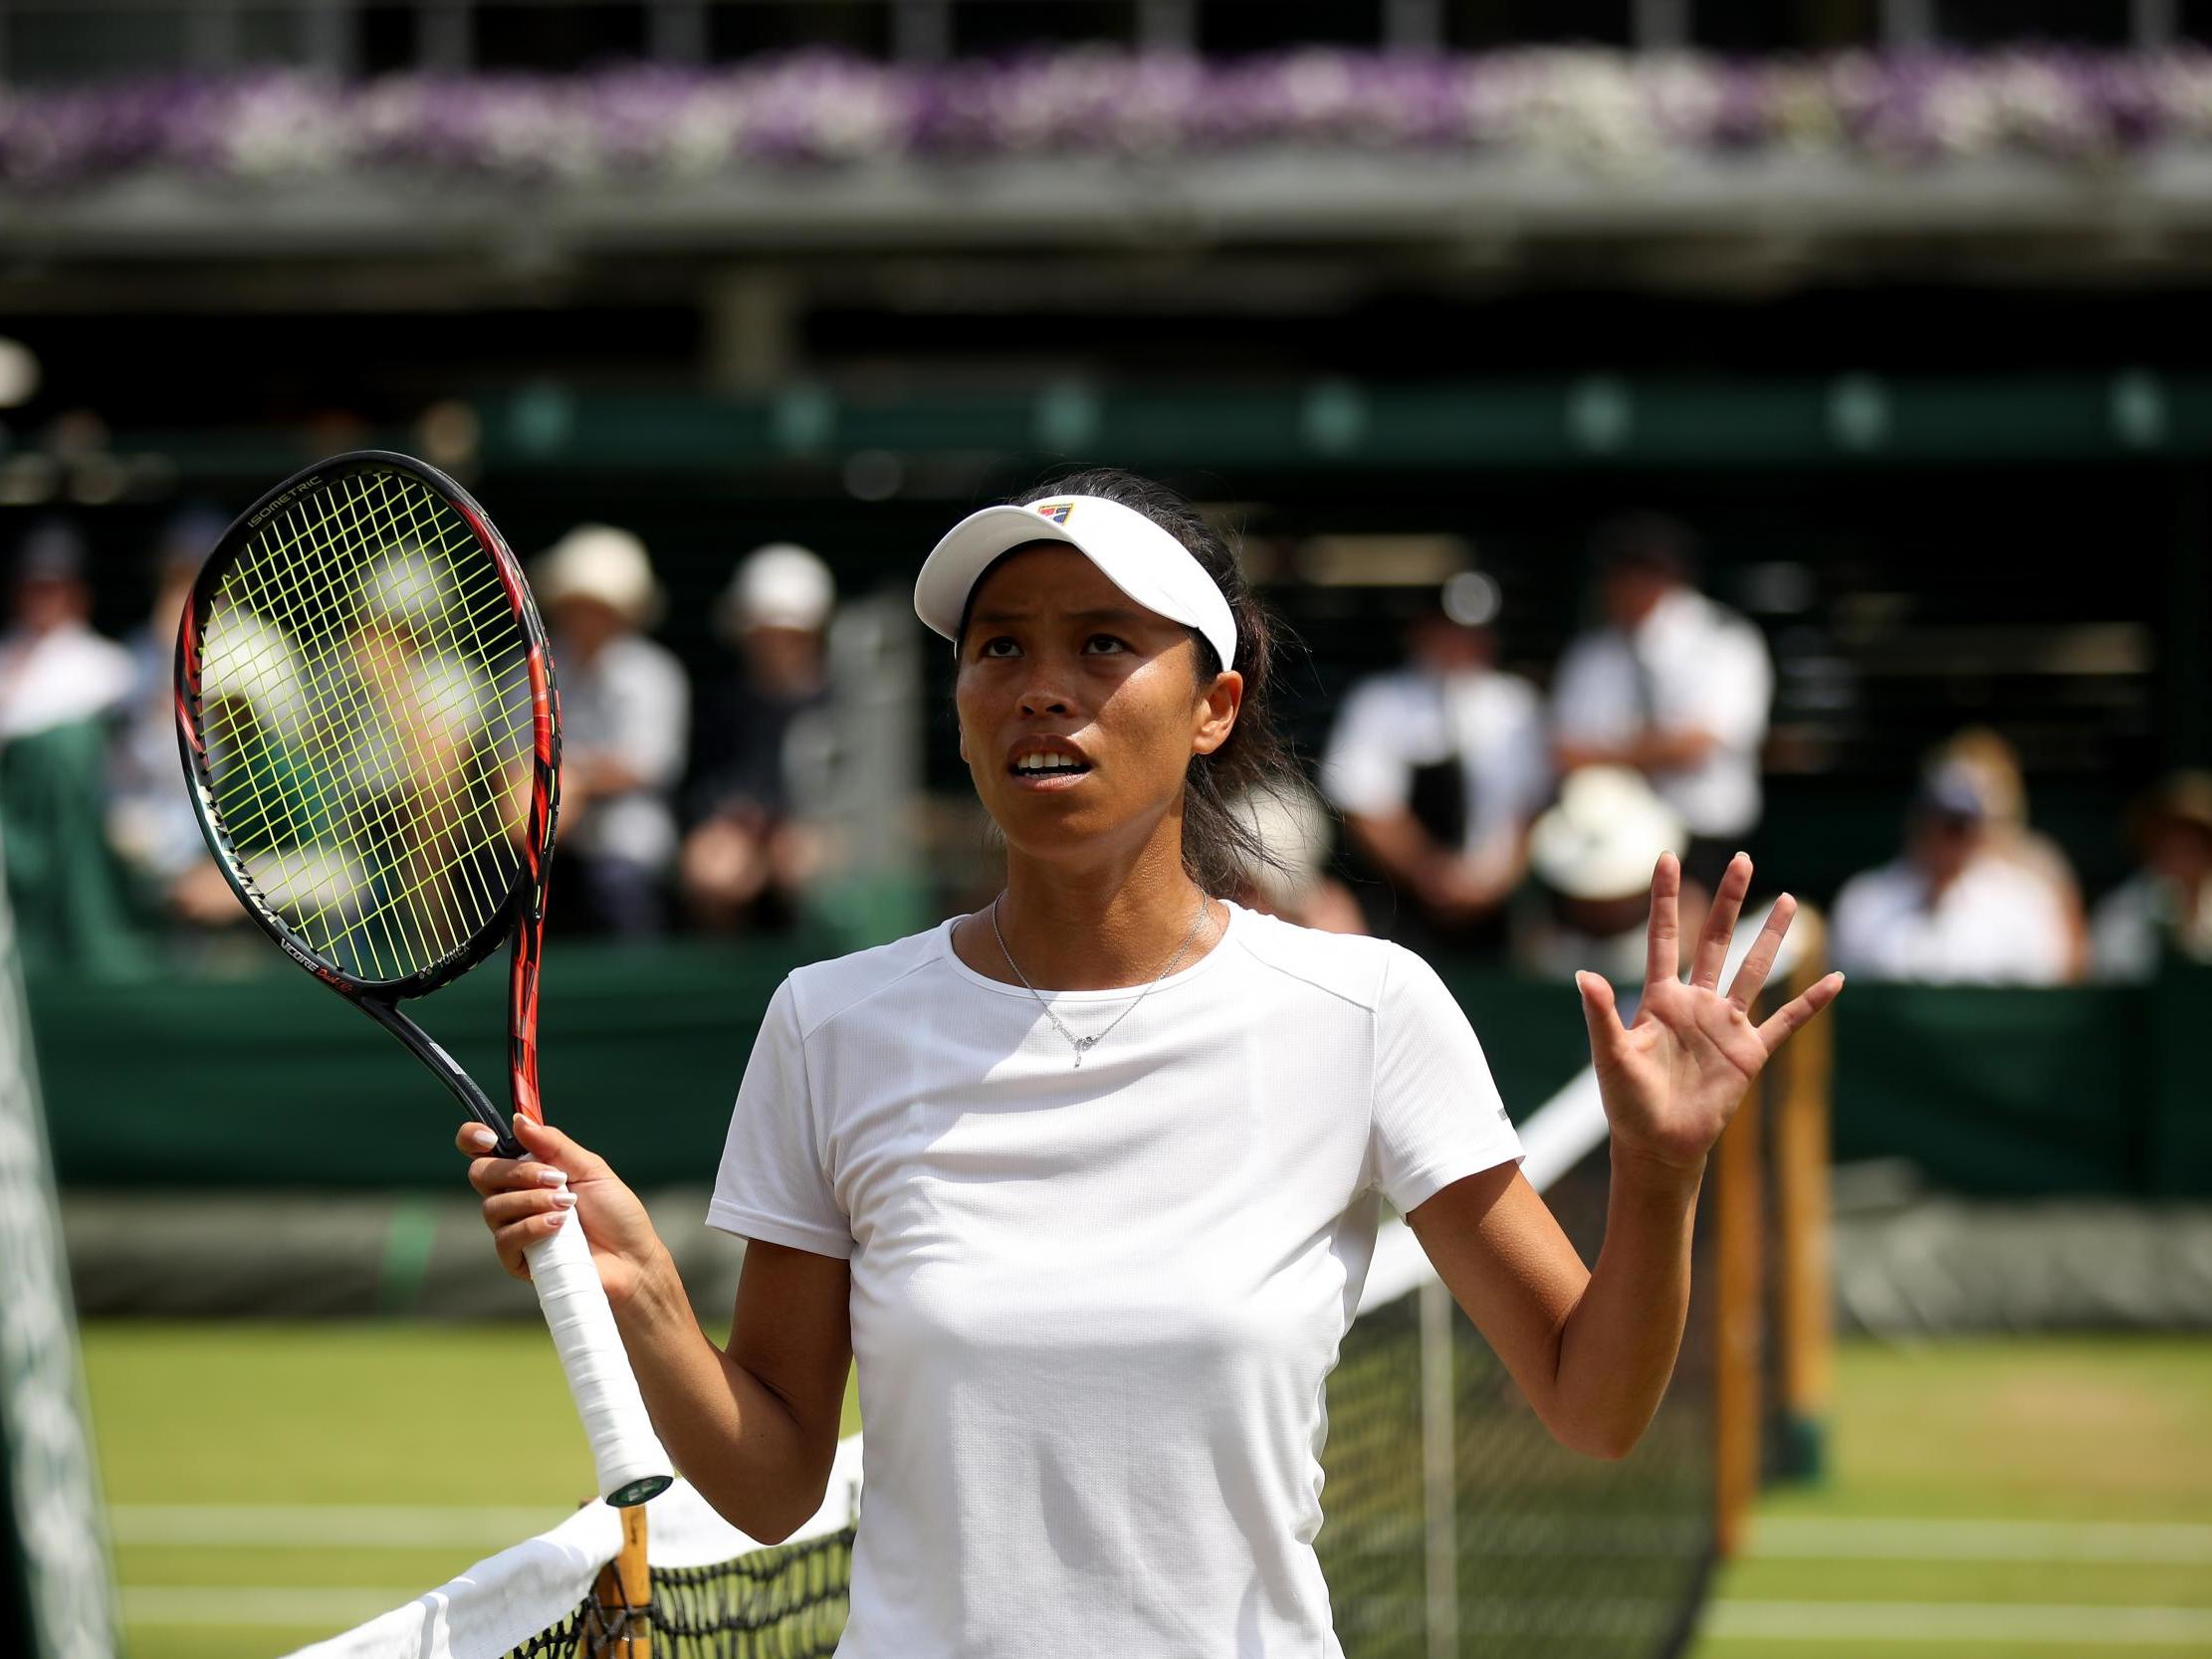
{"x":554,"y":1220}
{"x":564,"y":1197}
{"x":552,"y":1177}
{"x":482,"y":1138}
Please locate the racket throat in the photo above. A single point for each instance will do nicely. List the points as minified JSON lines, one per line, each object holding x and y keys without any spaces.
{"x":426,"y":1049}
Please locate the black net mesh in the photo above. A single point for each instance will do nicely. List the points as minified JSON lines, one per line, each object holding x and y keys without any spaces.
{"x":1550,"y":1553}
{"x":784,"y":1602}
{"x":1437,"y":1478}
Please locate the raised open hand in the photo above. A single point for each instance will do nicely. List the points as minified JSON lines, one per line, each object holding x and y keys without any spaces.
{"x":1672,"y":1079}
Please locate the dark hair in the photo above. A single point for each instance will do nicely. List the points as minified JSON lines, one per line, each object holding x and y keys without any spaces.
{"x":1646,"y":541}
{"x":1222,"y":844}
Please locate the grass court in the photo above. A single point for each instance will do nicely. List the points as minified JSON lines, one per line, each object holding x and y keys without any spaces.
{"x":272,"y":1484}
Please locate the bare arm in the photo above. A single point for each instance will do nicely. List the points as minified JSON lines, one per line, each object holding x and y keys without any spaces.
{"x":1593,"y":1350}
{"x":753,"y":1427}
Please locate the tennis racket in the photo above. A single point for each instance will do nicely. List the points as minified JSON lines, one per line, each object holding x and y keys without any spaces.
{"x":365,"y":708}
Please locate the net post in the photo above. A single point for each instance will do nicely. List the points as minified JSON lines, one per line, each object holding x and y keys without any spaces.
{"x":1805,"y":1295}
{"x":623,"y":1596}
{"x":1739,"y":1321}
{"x":1439,"y":1485}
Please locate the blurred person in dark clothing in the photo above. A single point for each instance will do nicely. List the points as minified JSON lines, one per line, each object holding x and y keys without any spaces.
{"x":54,"y":670}
{"x":1950,"y":910}
{"x":625,"y":714}
{"x":150,"y":822}
{"x":1438,"y":767}
{"x":751,"y":850}
{"x":2167,"y":902}
{"x":1672,"y":684}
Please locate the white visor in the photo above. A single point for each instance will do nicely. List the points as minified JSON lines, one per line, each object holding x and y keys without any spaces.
{"x":1136,"y":554}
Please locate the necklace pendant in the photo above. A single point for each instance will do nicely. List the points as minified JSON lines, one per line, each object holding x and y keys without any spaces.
{"x":1082,"y":1047}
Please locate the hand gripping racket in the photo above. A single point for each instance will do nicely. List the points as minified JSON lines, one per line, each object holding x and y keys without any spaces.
{"x":365,"y":706}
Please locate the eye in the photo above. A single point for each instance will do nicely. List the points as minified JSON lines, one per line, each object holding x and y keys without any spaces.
{"x":989,"y":645}
{"x":1110,"y":639}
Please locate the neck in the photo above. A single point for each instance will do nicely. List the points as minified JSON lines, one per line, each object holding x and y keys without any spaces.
{"x":1079,"y":929}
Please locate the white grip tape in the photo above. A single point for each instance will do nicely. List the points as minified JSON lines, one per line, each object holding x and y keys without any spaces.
{"x":623,"y":1443}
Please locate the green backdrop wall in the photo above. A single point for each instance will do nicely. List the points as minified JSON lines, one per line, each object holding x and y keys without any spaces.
{"x":269,"y":1080}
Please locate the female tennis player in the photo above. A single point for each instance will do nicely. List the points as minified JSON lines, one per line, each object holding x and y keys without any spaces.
{"x":1088,"y":1180}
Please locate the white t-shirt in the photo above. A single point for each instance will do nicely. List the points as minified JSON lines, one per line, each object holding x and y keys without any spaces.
{"x":1093,"y":1307}
{"x":1689,"y":664}
{"x":1998,"y":924}
{"x":1492,"y":722}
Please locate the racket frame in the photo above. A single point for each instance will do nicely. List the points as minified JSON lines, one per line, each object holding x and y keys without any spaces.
{"x":522,"y":914}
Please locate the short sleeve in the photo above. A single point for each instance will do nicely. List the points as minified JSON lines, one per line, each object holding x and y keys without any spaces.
{"x":773,"y":1184}
{"x":1437,"y":1116}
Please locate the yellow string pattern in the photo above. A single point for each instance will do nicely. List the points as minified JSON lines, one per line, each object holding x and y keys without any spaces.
{"x":365,"y":693}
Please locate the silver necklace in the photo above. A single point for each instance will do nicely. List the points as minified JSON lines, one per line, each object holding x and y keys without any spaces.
{"x":1083,"y":1045}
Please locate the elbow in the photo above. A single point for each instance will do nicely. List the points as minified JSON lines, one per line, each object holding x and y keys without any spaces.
{"x":1606,"y":1443}
{"x":773,"y":1519}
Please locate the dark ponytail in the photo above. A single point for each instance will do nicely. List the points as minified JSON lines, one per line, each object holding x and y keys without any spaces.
{"x":1221,"y":846}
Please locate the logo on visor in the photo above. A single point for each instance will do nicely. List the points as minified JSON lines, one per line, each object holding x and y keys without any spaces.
{"x":1058,"y":512}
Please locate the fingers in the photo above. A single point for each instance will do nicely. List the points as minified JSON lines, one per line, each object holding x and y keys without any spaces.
{"x":543,"y":1142}
{"x":1663,"y":949}
{"x":515,"y":1237}
{"x":1601,"y":1015}
{"x":1758,"y":962}
{"x":1720,"y":924}
{"x":1793,"y":1014}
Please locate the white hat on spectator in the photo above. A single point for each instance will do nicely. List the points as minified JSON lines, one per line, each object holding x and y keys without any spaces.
{"x":780,"y":586}
{"x":1602,"y":838}
{"x":599,"y":561}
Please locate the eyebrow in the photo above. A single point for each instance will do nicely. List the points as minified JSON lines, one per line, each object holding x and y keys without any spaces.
{"x":1115,"y":613}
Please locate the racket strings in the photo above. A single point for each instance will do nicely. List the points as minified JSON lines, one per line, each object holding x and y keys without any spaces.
{"x":371,"y":745}
{"x":365,"y":693}
{"x":333,"y":691}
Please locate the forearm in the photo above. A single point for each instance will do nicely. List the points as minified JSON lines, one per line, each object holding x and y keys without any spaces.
{"x":1617,"y":1347}
{"x":727,"y":1432}
{"x":1398,"y":843}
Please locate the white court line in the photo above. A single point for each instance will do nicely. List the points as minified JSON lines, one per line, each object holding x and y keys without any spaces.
{"x":1959,"y":1621}
{"x":326,"y":1525}
{"x":1872,"y":1538}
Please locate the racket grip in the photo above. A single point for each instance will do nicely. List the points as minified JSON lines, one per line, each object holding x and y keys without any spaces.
{"x":633,"y":1466}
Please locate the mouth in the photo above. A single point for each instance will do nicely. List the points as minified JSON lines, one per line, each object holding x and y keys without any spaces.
{"x":1048,"y":769}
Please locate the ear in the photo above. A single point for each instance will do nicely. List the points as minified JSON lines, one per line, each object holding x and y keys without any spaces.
{"x":1215,"y":715}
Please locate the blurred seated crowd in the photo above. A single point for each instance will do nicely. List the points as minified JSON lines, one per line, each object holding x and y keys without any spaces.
{"x":1455,"y":805}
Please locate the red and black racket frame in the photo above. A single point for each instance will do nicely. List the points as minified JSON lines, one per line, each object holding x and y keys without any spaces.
{"x":524,"y":911}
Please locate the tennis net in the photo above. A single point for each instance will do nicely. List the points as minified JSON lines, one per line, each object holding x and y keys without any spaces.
{"x":1456,"y":1526}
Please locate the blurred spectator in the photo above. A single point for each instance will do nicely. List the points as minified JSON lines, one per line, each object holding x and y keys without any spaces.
{"x":1438,"y":767}
{"x":1591,"y":855}
{"x":625,"y":712}
{"x":1952,"y":910}
{"x":60,"y":685}
{"x":751,"y":852}
{"x":1294,"y":824}
{"x":150,"y":822}
{"x":2168,"y":900}
{"x":54,"y":669}
{"x":1674,"y":684}
{"x":1995,"y":765}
